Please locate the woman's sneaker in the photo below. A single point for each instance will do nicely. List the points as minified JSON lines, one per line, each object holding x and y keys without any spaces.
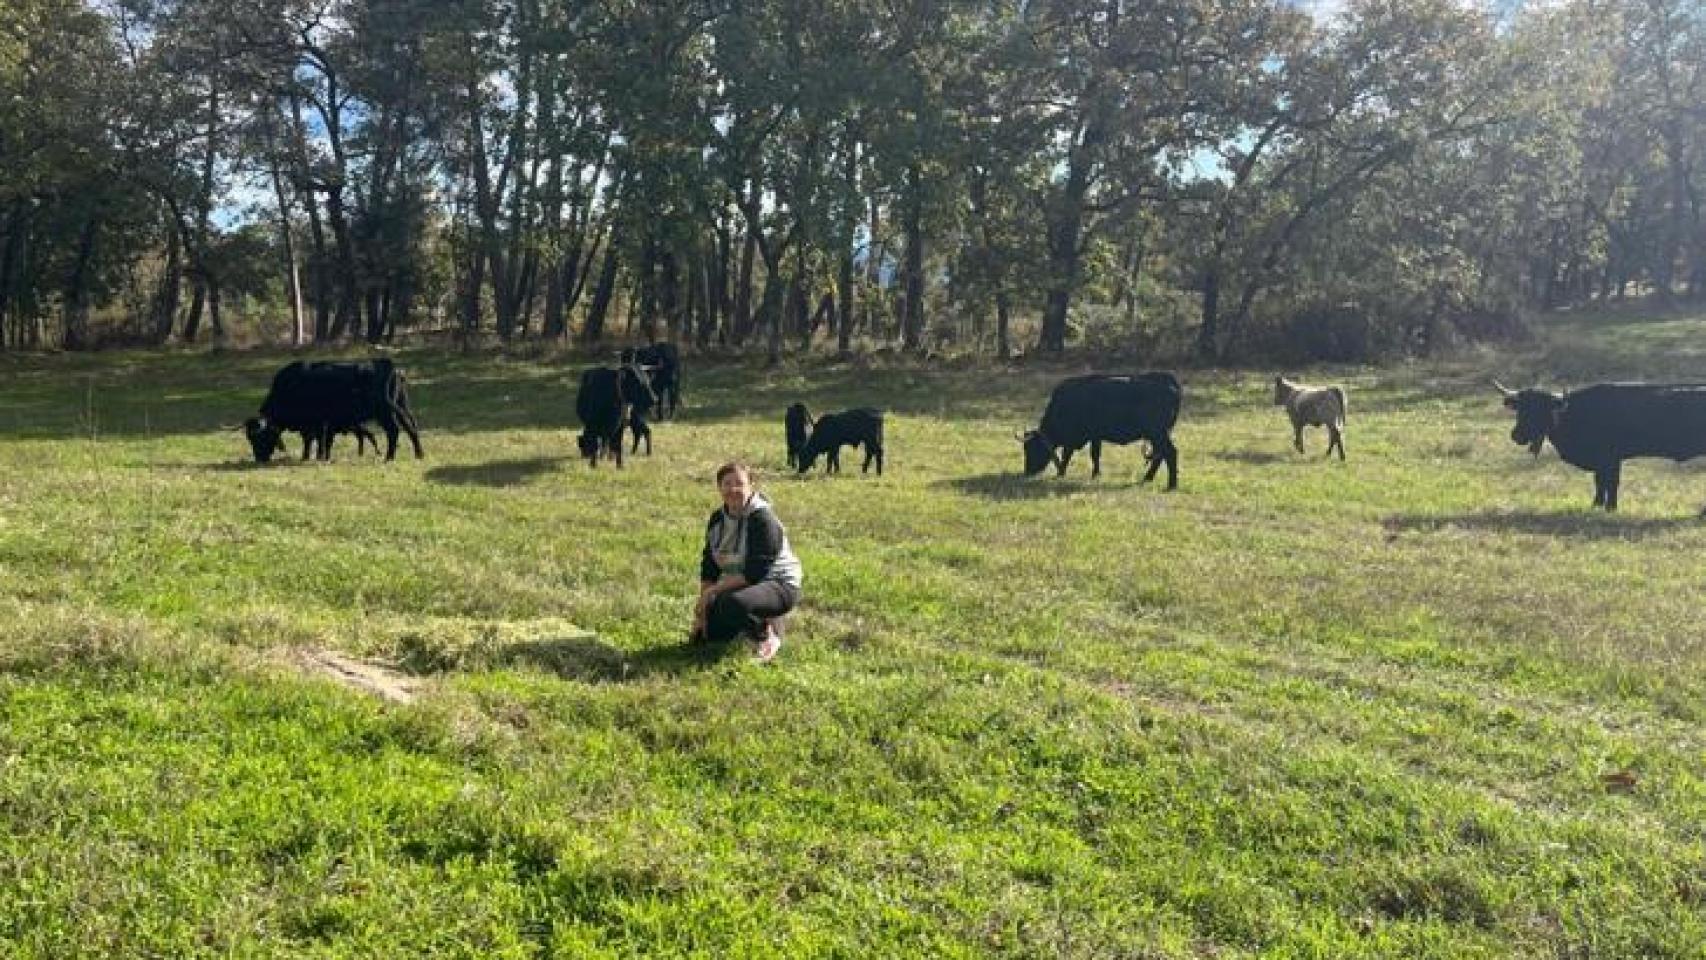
{"x":768,"y":645}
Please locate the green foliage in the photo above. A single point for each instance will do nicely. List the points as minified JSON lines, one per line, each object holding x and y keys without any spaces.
{"x":922,"y":167}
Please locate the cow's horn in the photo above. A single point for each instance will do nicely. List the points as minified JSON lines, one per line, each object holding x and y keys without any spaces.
{"x":1507,"y":391}
{"x":1019,"y":435}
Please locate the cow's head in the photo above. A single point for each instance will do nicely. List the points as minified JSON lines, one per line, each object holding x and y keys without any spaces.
{"x":798,"y":425}
{"x":264,"y":437}
{"x":1282,"y":391}
{"x":589,"y":444}
{"x":807,"y":455}
{"x":1536,"y":414}
{"x":1039,"y":453}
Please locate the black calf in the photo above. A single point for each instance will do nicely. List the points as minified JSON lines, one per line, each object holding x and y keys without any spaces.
{"x":849,"y":428}
{"x":798,"y":424}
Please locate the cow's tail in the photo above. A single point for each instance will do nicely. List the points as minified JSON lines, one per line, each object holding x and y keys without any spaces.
{"x":397,"y":396}
{"x":1344,"y":408}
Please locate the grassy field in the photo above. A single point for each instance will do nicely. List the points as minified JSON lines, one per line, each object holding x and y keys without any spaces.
{"x":1295,"y":709}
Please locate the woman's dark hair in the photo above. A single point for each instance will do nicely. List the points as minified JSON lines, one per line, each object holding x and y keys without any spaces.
{"x":734,"y":466}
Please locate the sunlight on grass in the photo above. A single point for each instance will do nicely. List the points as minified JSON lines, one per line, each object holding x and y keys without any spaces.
{"x":1297,"y":708}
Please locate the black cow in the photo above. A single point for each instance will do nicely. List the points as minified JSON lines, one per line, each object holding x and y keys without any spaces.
{"x":663,"y":362}
{"x":849,"y":428}
{"x":321,"y":400}
{"x":798,"y":424}
{"x":609,"y":401}
{"x":1597,"y":428}
{"x":1104,"y":408}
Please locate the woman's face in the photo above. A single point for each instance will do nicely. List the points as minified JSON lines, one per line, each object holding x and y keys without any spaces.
{"x":736,"y":488}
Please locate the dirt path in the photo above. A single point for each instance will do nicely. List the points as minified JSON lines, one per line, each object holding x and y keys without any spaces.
{"x":376,"y":679}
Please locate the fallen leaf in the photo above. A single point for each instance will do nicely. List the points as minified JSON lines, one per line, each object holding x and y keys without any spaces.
{"x":1621,"y":781}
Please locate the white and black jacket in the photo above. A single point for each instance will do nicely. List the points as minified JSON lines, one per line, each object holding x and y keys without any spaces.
{"x":756,"y":547}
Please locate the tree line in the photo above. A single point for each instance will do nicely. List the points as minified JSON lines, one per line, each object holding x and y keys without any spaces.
{"x":1217,"y":176}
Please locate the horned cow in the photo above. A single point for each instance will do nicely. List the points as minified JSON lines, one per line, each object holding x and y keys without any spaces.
{"x":1107,"y":408}
{"x":1598,"y":427}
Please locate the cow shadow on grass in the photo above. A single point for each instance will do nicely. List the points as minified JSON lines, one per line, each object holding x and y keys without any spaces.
{"x":590,"y":660}
{"x":1585,"y":525}
{"x":1259,"y":458}
{"x":1015,"y":486}
{"x":278,"y":463}
{"x":495,"y":473}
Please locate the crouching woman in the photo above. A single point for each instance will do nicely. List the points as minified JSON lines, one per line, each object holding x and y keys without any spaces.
{"x":749,"y":578}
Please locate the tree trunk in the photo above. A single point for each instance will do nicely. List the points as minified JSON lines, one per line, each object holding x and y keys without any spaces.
{"x":593,"y":330}
{"x":849,"y":228}
{"x":198,"y":300}
{"x":376,"y":313}
{"x":475,"y":282}
{"x":215,"y":320}
{"x":76,"y":313}
{"x":12,"y":245}
{"x":743,"y":288}
{"x":771,"y":311}
{"x":344,"y":320}
{"x":1066,"y":225}
{"x":647,"y":283}
{"x":1208,"y":334}
{"x":293,"y":275}
{"x":163,"y":309}
{"x":710,"y":319}
{"x":669,"y":294}
{"x":912,"y":324}
{"x":799,"y":300}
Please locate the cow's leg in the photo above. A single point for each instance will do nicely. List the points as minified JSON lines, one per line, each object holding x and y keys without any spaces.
{"x":406,"y":420}
{"x":1297,"y":435}
{"x":309,"y":439}
{"x":834,"y":463}
{"x":1165,"y":453}
{"x":1156,"y":457}
{"x":1063,"y":460}
{"x":1336,"y":438}
{"x":327,"y":438}
{"x":1095,"y":459}
{"x":877,"y":450}
{"x":1171,"y":454}
{"x":1598,"y":489}
{"x":1613,"y":476}
{"x":616,"y":445}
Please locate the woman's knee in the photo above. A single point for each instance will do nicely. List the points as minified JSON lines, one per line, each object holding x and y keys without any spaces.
{"x":726,"y":607}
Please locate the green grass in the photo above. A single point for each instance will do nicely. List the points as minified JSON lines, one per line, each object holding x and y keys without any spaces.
{"x":1296,"y":709}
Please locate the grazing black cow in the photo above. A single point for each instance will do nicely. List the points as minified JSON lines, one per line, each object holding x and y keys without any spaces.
{"x":849,"y":428}
{"x":1597,"y":428}
{"x":609,"y":401}
{"x":321,"y":400}
{"x":1104,"y":408}
{"x":663,"y":362}
{"x":798,"y":424}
